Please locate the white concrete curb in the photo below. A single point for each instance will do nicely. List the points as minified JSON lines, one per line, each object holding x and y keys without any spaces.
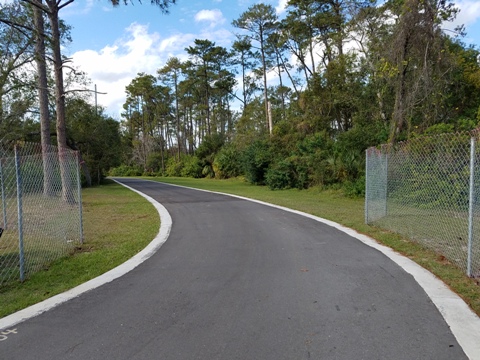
{"x":34,"y":310}
{"x":463,"y":322}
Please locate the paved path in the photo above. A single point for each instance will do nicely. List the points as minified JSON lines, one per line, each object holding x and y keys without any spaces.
{"x":240,"y":280}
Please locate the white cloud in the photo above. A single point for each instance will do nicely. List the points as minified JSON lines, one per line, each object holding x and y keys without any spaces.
{"x":80,"y":8}
{"x":281,"y":7}
{"x":214,"y":17}
{"x":221,"y":37}
{"x":469,"y":11}
{"x":469,"y":16}
{"x":141,"y":41}
{"x":176,"y":43}
{"x":113,"y":67}
{"x":89,"y":5}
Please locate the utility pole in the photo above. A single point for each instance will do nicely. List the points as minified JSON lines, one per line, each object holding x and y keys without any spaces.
{"x":96,"y":92}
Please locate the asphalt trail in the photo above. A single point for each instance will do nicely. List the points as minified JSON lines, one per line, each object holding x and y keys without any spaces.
{"x":241,"y":280}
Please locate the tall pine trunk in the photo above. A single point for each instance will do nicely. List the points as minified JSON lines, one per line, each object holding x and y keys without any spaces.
{"x":264,"y":67}
{"x":67,"y":188}
{"x":43,"y":100}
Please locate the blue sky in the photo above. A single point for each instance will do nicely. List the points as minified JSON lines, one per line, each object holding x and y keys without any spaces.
{"x":113,"y":45}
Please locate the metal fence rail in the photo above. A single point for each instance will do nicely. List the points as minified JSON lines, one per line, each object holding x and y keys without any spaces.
{"x":40,"y":207}
{"x":428,"y":189}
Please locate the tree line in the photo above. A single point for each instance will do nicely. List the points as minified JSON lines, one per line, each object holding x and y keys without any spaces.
{"x":349,"y":74}
{"x":294,"y":102}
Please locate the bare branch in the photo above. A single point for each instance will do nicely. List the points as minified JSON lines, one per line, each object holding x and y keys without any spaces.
{"x":17,"y":26}
{"x":83,"y":90}
{"x":37,"y":5}
{"x":60,"y":7}
{"x":71,"y":68}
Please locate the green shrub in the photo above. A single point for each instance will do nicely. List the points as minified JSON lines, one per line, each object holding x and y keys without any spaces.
{"x":174,"y":167}
{"x":191,"y":167}
{"x":207,"y":171}
{"x":125,"y":170}
{"x":154,"y":162}
{"x":256,"y":159}
{"x":207,"y":151}
{"x":314,"y":160}
{"x":440,"y":128}
{"x":355,"y":188}
{"x":227,"y":163}
{"x":279,"y":176}
{"x":288,"y":173}
{"x":209,"y":146}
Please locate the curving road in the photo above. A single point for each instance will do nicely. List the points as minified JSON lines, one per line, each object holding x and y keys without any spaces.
{"x":240,"y":280}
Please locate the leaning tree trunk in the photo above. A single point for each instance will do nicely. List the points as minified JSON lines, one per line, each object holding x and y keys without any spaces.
{"x":43,"y":101}
{"x":67,"y":186}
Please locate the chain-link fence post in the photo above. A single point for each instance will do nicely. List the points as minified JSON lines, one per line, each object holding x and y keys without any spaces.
{"x":80,"y":205}
{"x":385,"y":209}
{"x":4,"y":198}
{"x":376,"y":184}
{"x":470,"y":207}
{"x":20,"y":214}
{"x":367,"y":182}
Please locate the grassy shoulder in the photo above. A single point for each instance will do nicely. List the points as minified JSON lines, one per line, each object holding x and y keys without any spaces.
{"x":333,"y":205}
{"x":118,"y":223}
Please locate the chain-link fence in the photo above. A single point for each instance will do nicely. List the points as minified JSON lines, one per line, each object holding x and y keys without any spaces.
{"x":428,"y":189}
{"x":40,"y":207}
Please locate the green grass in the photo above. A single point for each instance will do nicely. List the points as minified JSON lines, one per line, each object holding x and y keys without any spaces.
{"x":43,"y":241}
{"x":444,"y":230}
{"x":333,"y":205}
{"x":118,"y":223}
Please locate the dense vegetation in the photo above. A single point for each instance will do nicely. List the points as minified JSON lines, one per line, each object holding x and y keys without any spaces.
{"x":293,"y":103}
